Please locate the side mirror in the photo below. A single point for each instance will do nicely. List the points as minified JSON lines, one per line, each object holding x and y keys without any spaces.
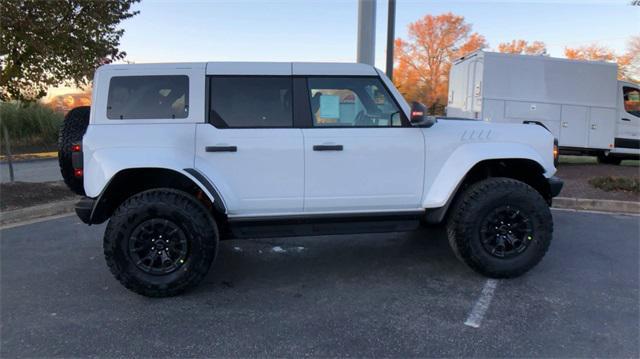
{"x":419,"y":117}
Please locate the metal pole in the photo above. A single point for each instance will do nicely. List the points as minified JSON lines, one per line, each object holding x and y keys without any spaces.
{"x":391,"y":29}
{"x":366,"y":31}
{"x":8,"y":153}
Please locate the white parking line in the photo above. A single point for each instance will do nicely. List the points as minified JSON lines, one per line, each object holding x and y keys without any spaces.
{"x":596,"y":212}
{"x":480,"y":308}
{"x":35,"y":220}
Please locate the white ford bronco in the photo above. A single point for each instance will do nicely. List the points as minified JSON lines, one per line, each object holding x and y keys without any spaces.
{"x":179,"y":156}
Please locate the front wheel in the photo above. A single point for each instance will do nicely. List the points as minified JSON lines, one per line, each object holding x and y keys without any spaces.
{"x":160,"y":242}
{"x":500,"y":227}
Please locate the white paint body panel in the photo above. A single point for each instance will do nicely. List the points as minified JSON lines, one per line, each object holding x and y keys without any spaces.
{"x":276,"y":171}
{"x":265,"y":175}
{"x":453,"y":147}
{"x":109,"y":149}
{"x":249,"y":68}
{"x":332,"y":69}
{"x":378,"y":168}
{"x":578,"y":101}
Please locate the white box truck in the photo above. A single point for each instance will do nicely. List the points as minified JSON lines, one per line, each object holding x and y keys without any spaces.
{"x":581,"y":102}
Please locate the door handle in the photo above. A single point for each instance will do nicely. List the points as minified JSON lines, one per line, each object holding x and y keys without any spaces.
{"x":221,"y":149}
{"x":626,"y":119}
{"x":327,"y":147}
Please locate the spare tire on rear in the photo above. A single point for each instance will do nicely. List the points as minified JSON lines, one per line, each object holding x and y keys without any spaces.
{"x":73,"y":128}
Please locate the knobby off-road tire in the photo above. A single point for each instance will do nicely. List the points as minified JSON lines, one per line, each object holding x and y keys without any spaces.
{"x":479,"y":239}
{"x":73,"y":128}
{"x":143,"y":221}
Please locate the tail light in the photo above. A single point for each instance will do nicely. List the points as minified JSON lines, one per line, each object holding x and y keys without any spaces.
{"x":77,"y":160}
{"x":556,"y":152}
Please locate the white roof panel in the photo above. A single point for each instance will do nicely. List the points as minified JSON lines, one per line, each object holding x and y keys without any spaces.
{"x":249,"y":68}
{"x":260,"y":68}
{"x":333,"y":68}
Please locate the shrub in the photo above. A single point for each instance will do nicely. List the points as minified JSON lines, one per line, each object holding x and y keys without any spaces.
{"x":30,"y":126}
{"x":612,"y":183}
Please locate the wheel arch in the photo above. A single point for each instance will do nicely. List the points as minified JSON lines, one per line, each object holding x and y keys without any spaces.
{"x":525,"y":170}
{"x":128,"y":182}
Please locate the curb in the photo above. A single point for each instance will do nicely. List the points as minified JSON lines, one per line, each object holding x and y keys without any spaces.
{"x":23,"y":160}
{"x":39,"y":211}
{"x":602,"y":205}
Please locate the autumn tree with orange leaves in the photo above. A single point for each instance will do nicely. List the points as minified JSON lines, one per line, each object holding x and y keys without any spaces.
{"x":523,"y":47}
{"x":628,"y":63}
{"x":592,"y":52}
{"x":423,"y":61}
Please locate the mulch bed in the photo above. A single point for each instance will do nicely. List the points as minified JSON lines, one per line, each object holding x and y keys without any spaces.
{"x":16,"y":195}
{"x":576,"y":181}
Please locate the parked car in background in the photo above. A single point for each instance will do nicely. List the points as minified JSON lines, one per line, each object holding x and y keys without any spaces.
{"x":581,"y":102}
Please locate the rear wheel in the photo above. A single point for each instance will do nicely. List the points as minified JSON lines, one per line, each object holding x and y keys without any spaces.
{"x":160,"y":242}
{"x":500,"y":227}
{"x":602,"y":158}
{"x":73,"y":128}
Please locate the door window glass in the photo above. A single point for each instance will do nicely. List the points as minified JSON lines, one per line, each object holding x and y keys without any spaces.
{"x":352,"y":102}
{"x":631,"y":100}
{"x":148,"y":97}
{"x":251,"y":102}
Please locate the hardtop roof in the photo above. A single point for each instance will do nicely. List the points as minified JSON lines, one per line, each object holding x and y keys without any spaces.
{"x":259,"y":68}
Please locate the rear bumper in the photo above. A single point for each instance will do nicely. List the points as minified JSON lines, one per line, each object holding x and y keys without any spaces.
{"x":84,"y":209}
{"x":555,"y":186}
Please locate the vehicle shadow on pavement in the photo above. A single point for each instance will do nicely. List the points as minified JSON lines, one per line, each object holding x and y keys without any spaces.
{"x":300,"y":262}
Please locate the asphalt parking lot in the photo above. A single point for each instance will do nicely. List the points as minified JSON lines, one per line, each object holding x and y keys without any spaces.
{"x":397,"y":295}
{"x":32,"y":171}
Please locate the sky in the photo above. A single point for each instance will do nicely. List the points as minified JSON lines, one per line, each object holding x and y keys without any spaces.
{"x":325,"y":30}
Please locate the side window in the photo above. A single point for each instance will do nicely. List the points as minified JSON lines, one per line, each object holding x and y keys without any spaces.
{"x":148,"y":97}
{"x":631,"y":100}
{"x":352,"y":102}
{"x":250,"y":102}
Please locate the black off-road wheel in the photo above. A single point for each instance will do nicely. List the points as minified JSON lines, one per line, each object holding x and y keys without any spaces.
{"x":500,"y":227}
{"x":73,"y":128}
{"x":160,"y":242}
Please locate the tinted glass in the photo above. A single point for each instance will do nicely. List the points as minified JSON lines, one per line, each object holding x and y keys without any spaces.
{"x":251,"y":102}
{"x":148,"y":97}
{"x":352,"y":102}
{"x":631,"y":100}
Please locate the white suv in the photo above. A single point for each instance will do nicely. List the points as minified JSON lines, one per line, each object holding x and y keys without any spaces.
{"x":179,"y":156}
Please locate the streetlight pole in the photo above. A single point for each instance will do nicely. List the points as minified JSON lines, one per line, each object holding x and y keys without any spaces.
{"x":391,"y":29}
{"x":366,"y":31}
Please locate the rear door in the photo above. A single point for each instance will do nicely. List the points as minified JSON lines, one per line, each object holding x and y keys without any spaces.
{"x":250,"y":150}
{"x":360,"y":152}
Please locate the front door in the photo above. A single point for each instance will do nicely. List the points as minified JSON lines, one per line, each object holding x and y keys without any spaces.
{"x":360,"y":152}
{"x":250,"y":150}
{"x":628,"y":131}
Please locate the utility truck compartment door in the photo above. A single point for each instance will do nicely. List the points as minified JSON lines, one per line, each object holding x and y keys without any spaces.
{"x":573,"y":126}
{"x":602,"y":127}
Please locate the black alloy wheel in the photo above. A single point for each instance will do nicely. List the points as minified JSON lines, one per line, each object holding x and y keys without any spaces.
{"x":158,"y":246}
{"x":506,"y":232}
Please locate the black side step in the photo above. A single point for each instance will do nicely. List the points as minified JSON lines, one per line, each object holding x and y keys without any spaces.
{"x":325,"y":224}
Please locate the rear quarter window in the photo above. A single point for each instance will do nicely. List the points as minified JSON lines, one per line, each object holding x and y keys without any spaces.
{"x":148,"y":97}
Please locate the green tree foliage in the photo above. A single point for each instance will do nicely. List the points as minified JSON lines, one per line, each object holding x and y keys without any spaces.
{"x":48,"y":43}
